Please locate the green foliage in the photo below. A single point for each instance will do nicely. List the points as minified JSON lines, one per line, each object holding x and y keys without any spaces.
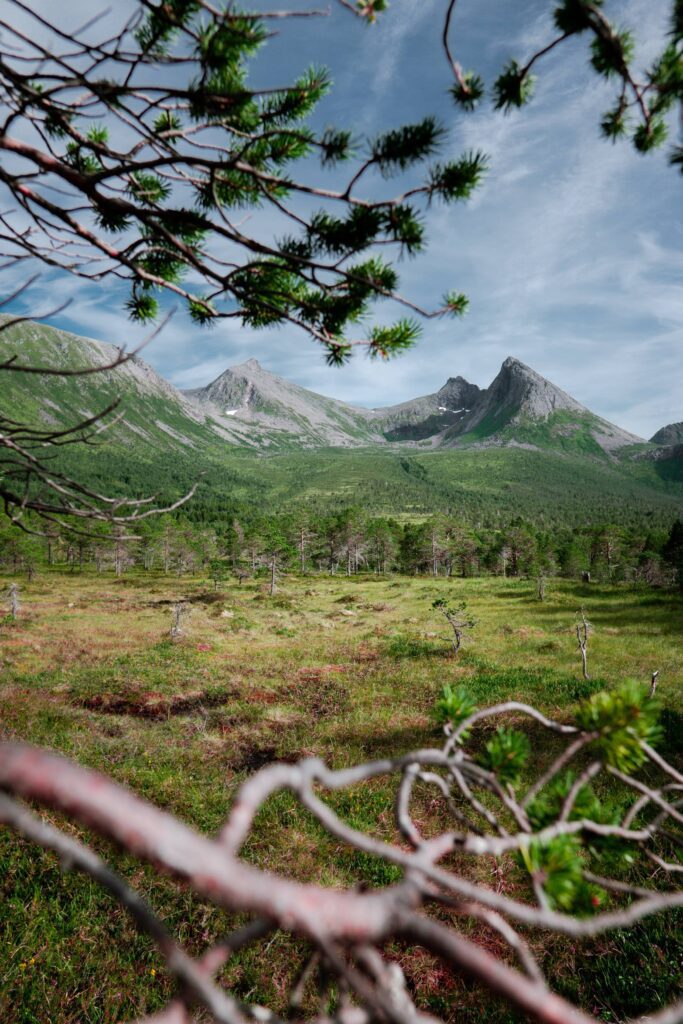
{"x":143,"y":307}
{"x":373,"y":275}
{"x":404,"y":227}
{"x":80,"y":158}
{"x":558,"y":867}
{"x":399,"y":149}
{"x":546,"y":807}
{"x":334,"y":235}
{"x":336,"y":145}
{"x":614,"y":124}
{"x":458,"y":179}
{"x":666,"y":75}
{"x":298,"y":101}
{"x":148,"y":188}
{"x":573,"y":16}
{"x":453,"y":706}
{"x":371,"y":8}
{"x":456,"y":303}
{"x":202,"y":312}
{"x":647,"y":137}
{"x":513,"y":88}
{"x":677,"y":21}
{"x":98,"y":134}
{"x":623,"y":718}
{"x":467,"y":95}
{"x":163,"y":23}
{"x":388,"y":341}
{"x":226,"y":41}
{"x":506,"y":755}
{"x":166,"y":121}
{"x":611,"y":52}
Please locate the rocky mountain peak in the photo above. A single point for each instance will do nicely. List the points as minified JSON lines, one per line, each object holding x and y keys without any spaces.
{"x":519,"y":387}
{"x":672,"y":433}
{"x":512,"y":363}
{"x":248,"y":398}
{"x":457,"y":394}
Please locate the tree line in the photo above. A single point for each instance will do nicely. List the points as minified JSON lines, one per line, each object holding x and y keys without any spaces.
{"x":351,"y":541}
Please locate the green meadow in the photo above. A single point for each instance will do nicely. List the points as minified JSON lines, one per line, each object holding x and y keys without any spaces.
{"x":346,"y":669}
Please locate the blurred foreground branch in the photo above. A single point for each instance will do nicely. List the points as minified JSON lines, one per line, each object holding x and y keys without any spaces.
{"x":573,"y":851}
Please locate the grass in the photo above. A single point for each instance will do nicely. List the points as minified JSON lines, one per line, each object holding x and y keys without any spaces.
{"x":345,"y":669}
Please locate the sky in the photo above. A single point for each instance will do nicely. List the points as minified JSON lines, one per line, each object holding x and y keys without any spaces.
{"x":571,"y":254}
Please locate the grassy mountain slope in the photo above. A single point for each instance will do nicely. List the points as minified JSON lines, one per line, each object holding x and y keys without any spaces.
{"x":154,"y":416}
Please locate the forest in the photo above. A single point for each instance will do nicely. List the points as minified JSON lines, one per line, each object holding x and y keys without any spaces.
{"x":350,"y":542}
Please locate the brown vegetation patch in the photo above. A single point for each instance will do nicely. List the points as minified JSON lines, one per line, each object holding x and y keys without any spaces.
{"x":524,"y":632}
{"x":318,"y":673}
{"x":366,"y":653}
{"x":253,"y":759}
{"x":316,"y":692}
{"x":259,"y":696}
{"x":152,"y":703}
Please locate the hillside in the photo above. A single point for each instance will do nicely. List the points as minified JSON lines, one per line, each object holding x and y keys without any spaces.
{"x":153,"y":414}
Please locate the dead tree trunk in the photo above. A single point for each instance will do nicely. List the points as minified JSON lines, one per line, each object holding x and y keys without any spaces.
{"x":180,"y":612}
{"x":304,"y":537}
{"x":583,"y":630}
{"x":13,"y":599}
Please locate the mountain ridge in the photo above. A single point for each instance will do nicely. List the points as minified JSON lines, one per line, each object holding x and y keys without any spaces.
{"x":458,"y":413}
{"x":414,"y":458}
{"x":248,"y":406}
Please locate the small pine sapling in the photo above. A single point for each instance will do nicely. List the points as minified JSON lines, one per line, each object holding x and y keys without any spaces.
{"x":458,"y":619}
{"x":217,"y":571}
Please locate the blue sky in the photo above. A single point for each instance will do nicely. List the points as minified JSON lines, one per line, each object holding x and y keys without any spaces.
{"x":570,"y":254}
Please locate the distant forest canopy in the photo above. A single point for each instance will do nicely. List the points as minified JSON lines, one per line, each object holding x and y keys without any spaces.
{"x":350,"y":542}
{"x":482,"y":487}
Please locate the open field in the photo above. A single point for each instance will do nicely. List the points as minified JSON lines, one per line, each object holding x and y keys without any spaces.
{"x":346,"y":669}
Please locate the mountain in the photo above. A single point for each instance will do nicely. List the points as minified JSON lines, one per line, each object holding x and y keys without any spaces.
{"x":522,"y":407}
{"x":522,"y":446}
{"x":431,"y":415}
{"x":671,"y":434}
{"x":249,"y":407}
{"x":258,"y":409}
